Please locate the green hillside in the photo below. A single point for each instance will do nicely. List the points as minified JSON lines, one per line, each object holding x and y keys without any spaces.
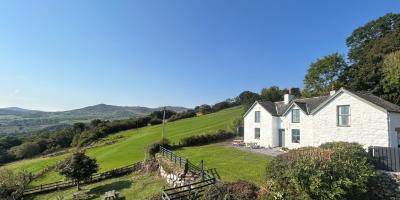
{"x":131,"y":148}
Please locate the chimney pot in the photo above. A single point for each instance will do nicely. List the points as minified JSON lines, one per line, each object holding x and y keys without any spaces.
{"x":287,"y":98}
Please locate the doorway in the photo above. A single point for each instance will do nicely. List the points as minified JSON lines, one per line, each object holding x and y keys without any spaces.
{"x":281,"y":134}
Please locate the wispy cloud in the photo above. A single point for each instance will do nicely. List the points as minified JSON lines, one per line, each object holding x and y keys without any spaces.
{"x":14,"y":93}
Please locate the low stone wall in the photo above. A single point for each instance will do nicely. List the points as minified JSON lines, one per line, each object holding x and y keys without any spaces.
{"x":175,"y":176}
{"x":175,"y":180}
{"x":385,"y":185}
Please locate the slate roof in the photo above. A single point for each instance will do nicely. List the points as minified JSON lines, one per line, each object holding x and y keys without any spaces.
{"x":308,"y":105}
{"x":391,"y":107}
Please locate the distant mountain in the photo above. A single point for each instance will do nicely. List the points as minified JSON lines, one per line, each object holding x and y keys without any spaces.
{"x":18,"y":120}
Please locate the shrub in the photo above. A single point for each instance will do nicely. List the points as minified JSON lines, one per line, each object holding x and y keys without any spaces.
{"x":182,"y":115}
{"x":13,"y":184}
{"x":205,"y":139}
{"x":155,"y":121}
{"x":25,"y":150}
{"x":159,"y":114}
{"x":239,"y":190}
{"x":154,"y":148}
{"x":332,"y":171}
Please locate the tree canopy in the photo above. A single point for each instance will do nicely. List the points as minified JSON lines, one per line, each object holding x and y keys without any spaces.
{"x":391,"y":75}
{"x":272,"y":93}
{"x":78,"y":167}
{"x":368,"y":46}
{"x":323,"y":74}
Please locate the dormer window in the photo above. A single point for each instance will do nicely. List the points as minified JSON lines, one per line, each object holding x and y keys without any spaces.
{"x":343,"y":115}
{"x":295,"y":116}
{"x":257,"y":117}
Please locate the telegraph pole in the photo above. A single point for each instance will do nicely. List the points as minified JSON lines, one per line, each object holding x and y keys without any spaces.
{"x":163,"y":121}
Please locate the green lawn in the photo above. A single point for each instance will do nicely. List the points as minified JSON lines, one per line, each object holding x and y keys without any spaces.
{"x":134,"y":186}
{"x":132,"y":147}
{"x":231,"y":164}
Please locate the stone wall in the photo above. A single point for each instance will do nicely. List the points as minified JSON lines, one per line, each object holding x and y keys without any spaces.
{"x":175,"y":176}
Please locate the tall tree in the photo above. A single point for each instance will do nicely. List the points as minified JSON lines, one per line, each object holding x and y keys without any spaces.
{"x":272,"y":93}
{"x":368,"y":46}
{"x":323,"y":74}
{"x":247,"y":98}
{"x":78,"y":167}
{"x":391,"y":76}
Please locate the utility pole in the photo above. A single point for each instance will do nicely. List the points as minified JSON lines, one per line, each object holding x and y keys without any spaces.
{"x":162,"y":133}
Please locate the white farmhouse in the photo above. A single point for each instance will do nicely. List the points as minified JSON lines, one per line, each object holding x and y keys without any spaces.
{"x":343,"y":116}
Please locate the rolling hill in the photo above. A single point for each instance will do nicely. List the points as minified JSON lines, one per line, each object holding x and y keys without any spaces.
{"x":18,"y":120}
{"x":131,"y":147}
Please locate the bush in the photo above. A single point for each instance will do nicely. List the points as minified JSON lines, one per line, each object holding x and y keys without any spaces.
{"x":240,"y":190}
{"x":13,"y":184}
{"x":25,"y":150}
{"x":155,"y":121}
{"x":205,"y":139}
{"x":182,"y":115}
{"x":159,"y":114}
{"x":332,"y":171}
{"x":154,"y":148}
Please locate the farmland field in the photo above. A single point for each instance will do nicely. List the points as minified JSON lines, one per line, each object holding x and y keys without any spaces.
{"x":131,"y":148}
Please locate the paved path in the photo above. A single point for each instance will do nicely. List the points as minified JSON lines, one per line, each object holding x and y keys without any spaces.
{"x":266,"y":151}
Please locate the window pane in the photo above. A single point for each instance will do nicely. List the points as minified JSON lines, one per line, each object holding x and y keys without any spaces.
{"x":296,"y":115}
{"x":257,"y":116}
{"x":343,"y":115}
{"x":257,"y":133}
{"x":344,"y":120}
{"x":295,"y":136}
{"x":344,"y":110}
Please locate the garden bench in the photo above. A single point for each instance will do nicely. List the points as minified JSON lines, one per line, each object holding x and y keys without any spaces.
{"x":81,"y":195}
{"x":111,"y":195}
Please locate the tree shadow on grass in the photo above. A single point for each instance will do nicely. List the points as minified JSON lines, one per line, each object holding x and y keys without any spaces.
{"x":117,"y":186}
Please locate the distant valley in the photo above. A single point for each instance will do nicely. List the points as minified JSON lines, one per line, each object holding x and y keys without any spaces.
{"x":16,"y":120}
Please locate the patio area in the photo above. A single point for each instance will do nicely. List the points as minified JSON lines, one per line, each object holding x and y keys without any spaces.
{"x":238,"y":144}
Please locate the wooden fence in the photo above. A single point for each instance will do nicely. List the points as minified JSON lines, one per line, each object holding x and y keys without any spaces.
{"x":95,"y":178}
{"x":385,"y":158}
{"x":189,"y":191}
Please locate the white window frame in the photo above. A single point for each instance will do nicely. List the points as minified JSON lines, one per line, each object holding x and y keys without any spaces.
{"x":255,"y":133}
{"x":257,"y":119}
{"x":339,"y":115}
{"x":298,"y":111}
{"x":298,"y":137}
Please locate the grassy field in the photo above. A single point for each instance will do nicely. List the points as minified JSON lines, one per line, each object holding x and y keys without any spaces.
{"x":231,"y":164}
{"x":132,"y":147}
{"x":130,"y":187}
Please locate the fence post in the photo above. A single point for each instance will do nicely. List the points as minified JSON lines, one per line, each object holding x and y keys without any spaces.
{"x":202,"y":169}
{"x":175,"y":158}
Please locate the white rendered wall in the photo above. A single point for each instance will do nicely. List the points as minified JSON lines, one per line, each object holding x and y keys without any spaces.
{"x":394,"y":123}
{"x":305,"y":127}
{"x":368,"y":123}
{"x":265,"y":126}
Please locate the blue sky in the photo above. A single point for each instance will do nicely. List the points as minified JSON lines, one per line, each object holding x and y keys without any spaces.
{"x":60,"y":55}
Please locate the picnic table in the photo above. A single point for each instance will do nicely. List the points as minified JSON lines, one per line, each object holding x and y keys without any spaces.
{"x":238,"y":142}
{"x":252,"y":145}
{"x":111,"y":195}
{"x":81,"y":195}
